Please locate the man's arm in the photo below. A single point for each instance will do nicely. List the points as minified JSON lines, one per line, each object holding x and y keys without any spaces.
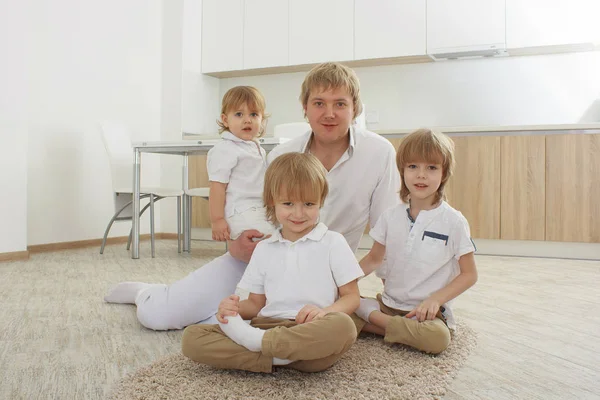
{"x":242,"y":248}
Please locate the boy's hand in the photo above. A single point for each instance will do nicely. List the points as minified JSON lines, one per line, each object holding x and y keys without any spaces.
{"x":427,"y":310}
{"x":229,"y":307}
{"x":310,"y":313}
{"x":220,"y":230}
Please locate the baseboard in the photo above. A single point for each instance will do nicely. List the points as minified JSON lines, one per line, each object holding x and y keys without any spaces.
{"x":79,"y":244}
{"x":14,"y":256}
{"x":525,"y":248}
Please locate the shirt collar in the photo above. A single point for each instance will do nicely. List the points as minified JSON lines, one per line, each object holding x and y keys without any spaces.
{"x":230,"y":136}
{"x":428,"y":214}
{"x":352,"y":133}
{"x":315,"y":235}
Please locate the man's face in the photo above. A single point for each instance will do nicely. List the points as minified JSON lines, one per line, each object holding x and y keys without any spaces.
{"x":329,"y":114}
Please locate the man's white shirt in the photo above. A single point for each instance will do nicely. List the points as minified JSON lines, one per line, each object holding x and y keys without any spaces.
{"x":424,"y":259}
{"x":362,"y":184}
{"x":242,"y":165}
{"x":294,"y":274}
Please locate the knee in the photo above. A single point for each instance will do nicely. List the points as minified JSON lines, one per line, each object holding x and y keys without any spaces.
{"x":436,"y":340}
{"x":343,"y":329}
{"x":191,"y":342}
{"x":152,"y":320}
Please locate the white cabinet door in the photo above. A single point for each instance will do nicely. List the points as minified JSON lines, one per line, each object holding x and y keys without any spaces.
{"x":455,"y":24}
{"x":266,"y":33}
{"x":222,"y":35}
{"x":389,"y":28}
{"x":551,"y":22}
{"x":321,"y":30}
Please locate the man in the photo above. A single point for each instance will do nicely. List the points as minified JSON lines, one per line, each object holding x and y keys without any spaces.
{"x":363,"y":182}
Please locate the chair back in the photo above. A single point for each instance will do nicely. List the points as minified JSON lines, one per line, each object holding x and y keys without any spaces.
{"x":117,"y":143}
{"x":291,"y":130}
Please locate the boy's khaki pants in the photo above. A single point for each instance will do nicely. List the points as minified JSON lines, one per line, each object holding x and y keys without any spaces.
{"x":431,"y":336}
{"x":316,"y":345}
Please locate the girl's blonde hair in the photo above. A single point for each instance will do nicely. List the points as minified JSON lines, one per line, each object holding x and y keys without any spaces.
{"x":294,"y":176}
{"x":328,"y":76}
{"x":425,"y":145}
{"x":239,"y":95}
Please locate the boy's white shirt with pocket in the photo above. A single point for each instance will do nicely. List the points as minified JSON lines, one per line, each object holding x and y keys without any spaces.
{"x":424,"y":259}
{"x":294,"y":274}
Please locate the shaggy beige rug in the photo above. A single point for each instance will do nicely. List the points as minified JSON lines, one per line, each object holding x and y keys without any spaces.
{"x":371,"y":369}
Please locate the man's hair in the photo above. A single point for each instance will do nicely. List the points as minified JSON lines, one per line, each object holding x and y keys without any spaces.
{"x":328,"y":76}
{"x":239,"y":95}
{"x":425,"y":145}
{"x":296,"y":177}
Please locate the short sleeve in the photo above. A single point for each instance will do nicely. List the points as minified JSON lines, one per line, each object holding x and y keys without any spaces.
{"x":220,"y":161}
{"x":342,"y":261}
{"x":461,"y":238}
{"x":379,"y":231}
{"x":253,"y":279}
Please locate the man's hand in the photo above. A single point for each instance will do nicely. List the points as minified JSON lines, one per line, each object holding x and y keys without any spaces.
{"x":427,"y":310}
{"x":220,"y":230}
{"x":228,"y":307}
{"x":310,"y":313}
{"x":243,"y":247}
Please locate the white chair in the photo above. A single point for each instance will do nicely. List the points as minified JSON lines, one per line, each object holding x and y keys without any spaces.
{"x":202,"y":192}
{"x":291,"y":130}
{"x":118,"y":147}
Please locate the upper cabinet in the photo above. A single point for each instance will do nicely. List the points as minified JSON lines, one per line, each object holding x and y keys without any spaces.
{"x":222,"y":35}
{"x":389,"y":28}
{"x":464,"y":25}
{"x":535,"y":23}
{"x":266,"y":33}
{"x":321,"y":31}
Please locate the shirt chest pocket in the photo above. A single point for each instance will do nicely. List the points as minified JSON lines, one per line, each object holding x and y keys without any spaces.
{"x":434,"y":247}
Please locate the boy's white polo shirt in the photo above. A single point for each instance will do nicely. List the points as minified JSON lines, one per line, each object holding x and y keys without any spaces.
{"x":424,"y":259}
{"x":362,"y":184}
{"x":242,"y":165}
{"x":294,"y":274}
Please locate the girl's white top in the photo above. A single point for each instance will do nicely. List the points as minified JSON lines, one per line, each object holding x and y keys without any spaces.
{"x":242,"y":165}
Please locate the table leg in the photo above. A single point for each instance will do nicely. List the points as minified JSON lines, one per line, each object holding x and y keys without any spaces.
{"x":135,"y":248}
{"x":186,"y":207}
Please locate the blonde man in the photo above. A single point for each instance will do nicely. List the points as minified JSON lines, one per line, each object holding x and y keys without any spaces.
{"x":363,"y":182}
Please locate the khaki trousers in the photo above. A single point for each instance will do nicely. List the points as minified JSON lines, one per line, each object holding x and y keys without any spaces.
{"x":315,"y":346}
{"x":431,"y":336}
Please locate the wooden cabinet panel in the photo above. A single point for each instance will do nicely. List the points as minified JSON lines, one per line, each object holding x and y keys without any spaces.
{"x":573,"y":188}
{"x":198,"y":177}
{"x":474,"y":189}
{"x":523,"y":188}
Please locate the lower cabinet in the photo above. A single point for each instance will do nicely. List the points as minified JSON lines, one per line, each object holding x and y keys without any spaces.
{"x":573,"y":188}
{"x":474,"y":189}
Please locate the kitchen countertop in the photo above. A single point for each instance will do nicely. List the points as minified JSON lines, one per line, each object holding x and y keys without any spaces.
{"x":492,"y":130}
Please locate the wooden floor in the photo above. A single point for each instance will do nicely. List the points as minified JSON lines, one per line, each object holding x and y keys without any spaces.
{"x":538,"y":322}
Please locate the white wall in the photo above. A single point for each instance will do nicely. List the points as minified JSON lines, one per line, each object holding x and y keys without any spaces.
{"x":91,"y":61}
{"x":548,"y":89}
{"x":14,"y":46}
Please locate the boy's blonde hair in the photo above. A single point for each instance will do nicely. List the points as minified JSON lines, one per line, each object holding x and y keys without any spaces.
{"x":249,"y":95}
{"x":328,"y":76}
{"x":425,"y":145}
{"x":294,"y":176}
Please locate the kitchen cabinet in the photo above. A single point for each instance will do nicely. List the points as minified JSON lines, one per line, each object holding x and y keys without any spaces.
{"x":222,"y":35}
{"x":474,"y":189}
{"x":465,"y":24}
{"x":573,"y":188}
{"x":523,"y":187}
{"x":534,"y":23}
{"x":389,"y":28}
{"x":321,"y":31}
{"x":198,"y":177}
{"x":266,"y":33}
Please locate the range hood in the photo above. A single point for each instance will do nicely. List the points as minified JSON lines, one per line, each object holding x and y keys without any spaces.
{"x":469,"y":52}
